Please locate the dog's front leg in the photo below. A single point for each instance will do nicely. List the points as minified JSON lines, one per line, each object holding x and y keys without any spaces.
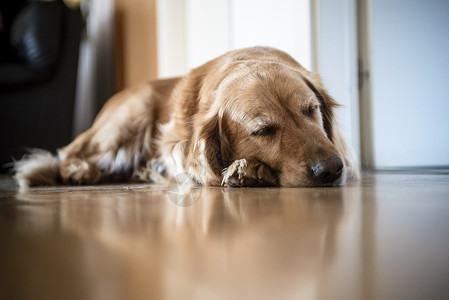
{"x":249,"y":172}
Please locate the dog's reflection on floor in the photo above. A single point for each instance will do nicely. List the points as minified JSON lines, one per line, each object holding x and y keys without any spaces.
{"x":172,"y":242}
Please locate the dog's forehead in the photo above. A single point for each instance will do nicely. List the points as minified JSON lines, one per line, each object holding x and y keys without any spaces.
{"x":262,"y":91}
{"x":266,"y":82}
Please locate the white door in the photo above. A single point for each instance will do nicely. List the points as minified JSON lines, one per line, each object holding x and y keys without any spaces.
{"x":405,"y":117}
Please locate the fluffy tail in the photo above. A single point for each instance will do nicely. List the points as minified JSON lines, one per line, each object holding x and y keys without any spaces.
{"x":39,"y":168}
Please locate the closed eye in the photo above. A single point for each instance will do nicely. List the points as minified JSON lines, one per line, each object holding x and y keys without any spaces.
{"x":309,"y":111}
{"x":267,"y":130}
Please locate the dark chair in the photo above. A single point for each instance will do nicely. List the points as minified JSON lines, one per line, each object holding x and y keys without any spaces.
{"x":38,"y":71}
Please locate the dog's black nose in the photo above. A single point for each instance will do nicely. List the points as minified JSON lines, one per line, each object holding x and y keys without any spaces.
{"x":327,"y":170}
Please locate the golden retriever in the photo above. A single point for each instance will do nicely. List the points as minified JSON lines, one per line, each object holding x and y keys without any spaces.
{"x":251,"y":117}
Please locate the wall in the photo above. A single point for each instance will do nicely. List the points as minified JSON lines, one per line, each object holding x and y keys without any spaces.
{"x":337,"y":61}
{"x":409,"y":83}
{"x":135,"y":42}
{"x":192,"y":32}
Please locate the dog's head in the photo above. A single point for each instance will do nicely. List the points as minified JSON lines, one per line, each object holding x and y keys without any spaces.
{"x":272,"y":112}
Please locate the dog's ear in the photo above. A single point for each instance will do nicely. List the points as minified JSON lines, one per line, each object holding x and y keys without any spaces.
{"x":210,"y":149}
{"x":328,"y":104}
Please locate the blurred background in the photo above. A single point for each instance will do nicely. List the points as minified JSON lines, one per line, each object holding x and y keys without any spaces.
{"x":385,"y":61}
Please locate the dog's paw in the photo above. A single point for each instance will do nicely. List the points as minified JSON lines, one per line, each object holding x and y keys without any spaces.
{"x":141,"y":174}
{"x":248,"y":172}
{"x":77,"y":171}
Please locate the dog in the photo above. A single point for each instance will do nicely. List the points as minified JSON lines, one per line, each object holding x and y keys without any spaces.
{"x":251,"y":117}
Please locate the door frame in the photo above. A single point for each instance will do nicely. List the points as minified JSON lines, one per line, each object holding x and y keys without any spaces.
{"x":365,"y":96}
{"x":336,"y":60}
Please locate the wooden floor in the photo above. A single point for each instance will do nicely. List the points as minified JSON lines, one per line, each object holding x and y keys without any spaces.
{"x":385,"y":238}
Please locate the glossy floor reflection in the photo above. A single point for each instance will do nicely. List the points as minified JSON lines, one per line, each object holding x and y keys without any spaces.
{"x":386,"y":238}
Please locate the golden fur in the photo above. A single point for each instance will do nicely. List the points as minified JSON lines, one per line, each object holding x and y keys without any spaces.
{"x":251,"y":117}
